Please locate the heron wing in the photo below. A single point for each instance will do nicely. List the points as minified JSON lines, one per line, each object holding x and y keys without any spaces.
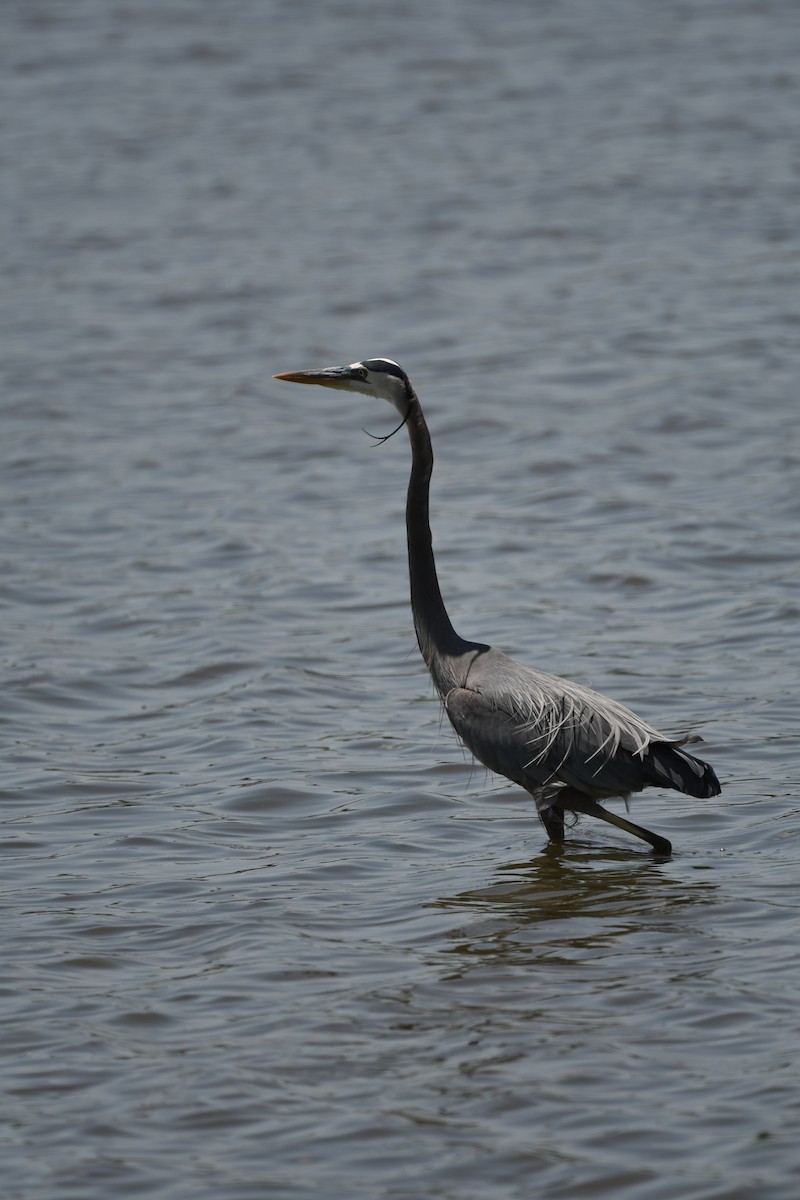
{"x":489,"y":733}
{"x":545,"y":730}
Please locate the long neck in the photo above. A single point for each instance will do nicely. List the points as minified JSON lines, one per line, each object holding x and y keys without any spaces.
{"x":435,"y":634}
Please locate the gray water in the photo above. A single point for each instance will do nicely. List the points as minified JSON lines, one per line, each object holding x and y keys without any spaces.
{"x":265,"y":930}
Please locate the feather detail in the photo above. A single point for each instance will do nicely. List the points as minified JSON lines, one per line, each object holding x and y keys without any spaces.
{"x":547,"y":733}
{"x":551,"y":711}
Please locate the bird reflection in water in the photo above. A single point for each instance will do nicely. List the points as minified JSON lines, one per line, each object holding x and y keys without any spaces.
{"x":566,"y":902}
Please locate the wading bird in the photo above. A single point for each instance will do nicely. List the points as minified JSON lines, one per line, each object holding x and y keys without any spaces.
{"x":567,"y":745}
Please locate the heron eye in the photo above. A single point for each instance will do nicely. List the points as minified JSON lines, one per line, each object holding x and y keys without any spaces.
{"x":363,"y":373}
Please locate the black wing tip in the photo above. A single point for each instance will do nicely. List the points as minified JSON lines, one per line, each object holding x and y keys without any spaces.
{"x":671,"y":767}
{"x":713,"y":787}
{"x":705,"y":784}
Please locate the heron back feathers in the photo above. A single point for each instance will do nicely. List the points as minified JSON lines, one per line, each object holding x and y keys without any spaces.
{"x":540,"y":730}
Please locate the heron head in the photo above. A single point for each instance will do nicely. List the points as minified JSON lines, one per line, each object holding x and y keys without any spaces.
{"x":374,"y":377}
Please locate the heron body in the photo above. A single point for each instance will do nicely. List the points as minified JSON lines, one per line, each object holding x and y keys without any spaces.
{"x":569,"y":746}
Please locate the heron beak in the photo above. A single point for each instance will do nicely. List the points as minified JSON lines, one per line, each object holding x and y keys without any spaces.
{"x":332,"y":377}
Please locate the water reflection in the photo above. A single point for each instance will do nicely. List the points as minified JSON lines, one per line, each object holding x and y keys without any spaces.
{"x":572,"y":898}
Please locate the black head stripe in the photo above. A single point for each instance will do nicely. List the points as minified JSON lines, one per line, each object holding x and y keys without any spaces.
{"x":386,"y":366}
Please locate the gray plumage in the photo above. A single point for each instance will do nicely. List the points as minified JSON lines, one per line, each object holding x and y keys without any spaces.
{"x":569,"y":746}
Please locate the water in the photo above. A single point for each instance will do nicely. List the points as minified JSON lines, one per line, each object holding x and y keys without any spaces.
{"x":265,"y":931}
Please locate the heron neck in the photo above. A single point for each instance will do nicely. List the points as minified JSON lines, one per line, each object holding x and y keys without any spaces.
{"x":435,"y":634}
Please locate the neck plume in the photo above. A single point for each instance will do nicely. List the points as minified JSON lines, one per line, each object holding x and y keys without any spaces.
{"x":435,"y":634}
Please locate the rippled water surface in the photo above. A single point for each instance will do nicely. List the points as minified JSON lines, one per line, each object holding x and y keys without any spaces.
{"x":265,"y":931}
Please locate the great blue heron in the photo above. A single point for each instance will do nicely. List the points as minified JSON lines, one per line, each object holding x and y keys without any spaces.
{"x":567,"y":745}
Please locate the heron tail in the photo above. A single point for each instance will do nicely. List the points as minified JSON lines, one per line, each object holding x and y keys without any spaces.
{"x":667,"y":765}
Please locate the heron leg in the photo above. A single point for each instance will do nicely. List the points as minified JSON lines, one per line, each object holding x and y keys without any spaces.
{"x":553,"y":820}
{"x":576,"y":802}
